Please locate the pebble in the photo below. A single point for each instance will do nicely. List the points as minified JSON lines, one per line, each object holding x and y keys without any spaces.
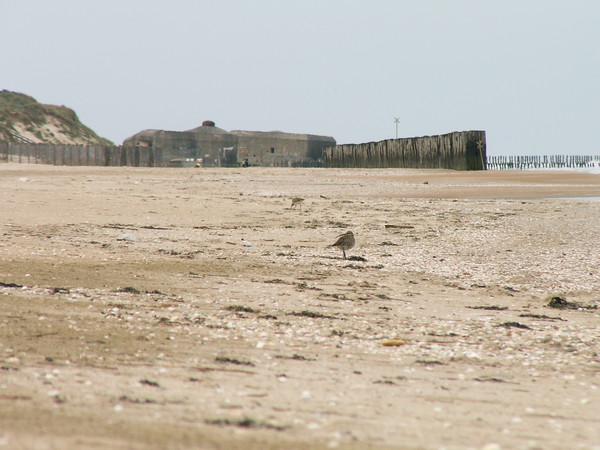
{"x":130,"y":237}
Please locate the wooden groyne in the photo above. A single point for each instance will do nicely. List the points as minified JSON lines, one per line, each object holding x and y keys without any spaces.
{"x":541,"y":162}
{"x":77,"y":155}
{"x":461,"y":150}
{"x":135,"y":156}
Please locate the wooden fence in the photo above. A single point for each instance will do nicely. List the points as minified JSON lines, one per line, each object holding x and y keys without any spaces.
{"x":540,"y":162}
{"x":78,"y":155}
{"x":461,"y":150}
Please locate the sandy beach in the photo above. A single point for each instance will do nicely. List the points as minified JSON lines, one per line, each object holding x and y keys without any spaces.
{"x":194,"y":308}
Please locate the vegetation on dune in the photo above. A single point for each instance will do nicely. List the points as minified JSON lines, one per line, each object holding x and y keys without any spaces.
{"x":17,"y":108}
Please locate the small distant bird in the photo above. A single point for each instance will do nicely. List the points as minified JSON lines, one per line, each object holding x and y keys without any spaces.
{"x":344,"y":242}
{"x":297,"y":201}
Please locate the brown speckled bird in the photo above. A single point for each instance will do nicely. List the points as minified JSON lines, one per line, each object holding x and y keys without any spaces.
{"x":297,"y":201}
{"x":344,"y":242}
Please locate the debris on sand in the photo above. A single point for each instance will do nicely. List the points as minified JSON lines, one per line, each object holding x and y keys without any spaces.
{"x":10,"y":285}
{"x":541,"y":317}
{"x":406,"y":227}
{"x":225,"y":359}
{"x":563,"y":303}
{"x":489,"y":307}
{"x":357,"y":258}
{"x":245,"y":423}
{"x":241,"y":308}
{"x":311,"y":314}
{"x":515,"y":325}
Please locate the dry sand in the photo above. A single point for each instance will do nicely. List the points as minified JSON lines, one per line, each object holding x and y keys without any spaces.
{"x":193,"y":308}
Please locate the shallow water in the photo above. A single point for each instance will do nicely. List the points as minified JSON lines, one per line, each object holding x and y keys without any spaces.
{"x":576,"y":198}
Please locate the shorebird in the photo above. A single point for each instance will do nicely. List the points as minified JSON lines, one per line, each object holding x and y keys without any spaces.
{"x":344,"y":242}
{"x":297,"y":201}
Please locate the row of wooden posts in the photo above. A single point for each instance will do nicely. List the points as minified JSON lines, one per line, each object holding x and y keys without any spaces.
{"x":541,"y":162}
{"x":460,"y":151}
{"x":99,"y":155}
{"x":78,"y":155}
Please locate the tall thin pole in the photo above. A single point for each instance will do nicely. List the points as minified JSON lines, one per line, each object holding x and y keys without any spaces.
{"x":396,"y":121}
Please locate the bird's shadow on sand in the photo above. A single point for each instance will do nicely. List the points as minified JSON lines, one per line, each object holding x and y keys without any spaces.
{"x":349,"y":258}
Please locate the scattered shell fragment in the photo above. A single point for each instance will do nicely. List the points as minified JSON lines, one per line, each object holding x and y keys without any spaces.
{"x":128,"y":237}
{"x":393,"y":342}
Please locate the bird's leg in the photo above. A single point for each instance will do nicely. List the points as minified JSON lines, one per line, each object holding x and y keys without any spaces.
{"x":344,"y":252}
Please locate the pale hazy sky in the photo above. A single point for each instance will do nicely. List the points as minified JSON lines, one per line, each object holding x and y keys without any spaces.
{"x":525,"y":71}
